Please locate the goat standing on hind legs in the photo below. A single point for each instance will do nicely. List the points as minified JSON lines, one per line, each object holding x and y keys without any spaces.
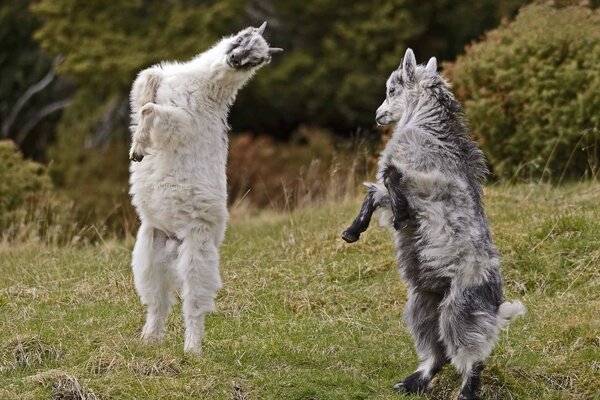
{"x":430,"y":176}
{"x":178,"y":181}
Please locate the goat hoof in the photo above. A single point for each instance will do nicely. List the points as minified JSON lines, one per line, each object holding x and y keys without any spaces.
{"x":412,"y":384}
{"x":399,"y":388}
{"x":137,"y":157}
{"x":349,"y":236}
{"x":463,"y":397}
{"x":148,"y":109}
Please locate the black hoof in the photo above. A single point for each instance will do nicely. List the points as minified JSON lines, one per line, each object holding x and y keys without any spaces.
{"x":137,"y":157}
{"x":463,"y":397}
{"x":349,"y":236}
{"x":412,"y":384}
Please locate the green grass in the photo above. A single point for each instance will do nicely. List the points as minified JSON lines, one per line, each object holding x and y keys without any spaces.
{"x":303,"y":315}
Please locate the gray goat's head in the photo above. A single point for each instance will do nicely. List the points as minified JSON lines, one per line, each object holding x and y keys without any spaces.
{"x":404,"y":86}
{"x":248,"y":49}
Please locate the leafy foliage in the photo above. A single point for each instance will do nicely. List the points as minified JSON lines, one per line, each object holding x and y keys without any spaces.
{"x":106,"y":45}
{"x":20,"y":179}
{"x":28,"y":206}
{"x":532,"y":92}
{"x":337,"y":54}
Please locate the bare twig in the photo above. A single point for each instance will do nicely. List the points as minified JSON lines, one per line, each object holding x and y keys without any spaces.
{"x":41,"y":114}
{"x":32,"y":90}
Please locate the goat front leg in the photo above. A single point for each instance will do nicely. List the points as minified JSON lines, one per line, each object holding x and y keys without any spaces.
{"x":140,"y":140}
{"x":159,"y":125}
{"x":143,"y":96}
{"x":372,"y":201}
{"x":392,"y":178}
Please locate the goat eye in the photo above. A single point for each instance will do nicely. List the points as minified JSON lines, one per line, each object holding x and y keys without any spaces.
{"x":392,"y":91}
{"x":239,"y":40}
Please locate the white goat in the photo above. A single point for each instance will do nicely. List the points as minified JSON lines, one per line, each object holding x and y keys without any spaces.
{"x":179,"y":189}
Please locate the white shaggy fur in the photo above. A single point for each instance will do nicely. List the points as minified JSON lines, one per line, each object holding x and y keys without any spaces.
{"x":179,"y":189}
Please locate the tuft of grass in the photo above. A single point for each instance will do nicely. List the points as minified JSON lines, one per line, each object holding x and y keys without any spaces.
{"x":63,"y":386}
{"x":25,"y":352}
{"x":303,"y":315}
{"x":161,"y":366}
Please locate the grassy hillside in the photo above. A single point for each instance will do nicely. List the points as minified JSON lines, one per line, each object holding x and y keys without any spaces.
{"x":304,"y":315}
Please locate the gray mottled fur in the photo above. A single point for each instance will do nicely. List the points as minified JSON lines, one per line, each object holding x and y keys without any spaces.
{"x":455,"y":308}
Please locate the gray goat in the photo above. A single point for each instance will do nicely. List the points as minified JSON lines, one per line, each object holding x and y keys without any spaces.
{"x":429,"y":176}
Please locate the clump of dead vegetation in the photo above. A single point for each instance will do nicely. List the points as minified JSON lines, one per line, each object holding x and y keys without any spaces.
{"x":26,"y":352}
{"x":64,"y":386}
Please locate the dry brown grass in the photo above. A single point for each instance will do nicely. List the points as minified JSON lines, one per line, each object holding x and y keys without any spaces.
{"x":310,"y":169}
{"x":64,"y":386}
{"x":26,"y":352}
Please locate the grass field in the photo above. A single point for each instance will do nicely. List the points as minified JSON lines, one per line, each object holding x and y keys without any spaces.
{"x":302,"y":314}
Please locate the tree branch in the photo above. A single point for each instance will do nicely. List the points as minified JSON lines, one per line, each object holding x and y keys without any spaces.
{"x":41,"y":114}
{"x":32,"y":90}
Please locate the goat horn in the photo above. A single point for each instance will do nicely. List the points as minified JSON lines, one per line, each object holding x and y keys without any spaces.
{"x":274,"y":50}
{"x":261,"y":28}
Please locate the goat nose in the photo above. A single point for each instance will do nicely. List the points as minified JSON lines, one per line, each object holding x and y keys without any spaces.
{"x":234,"y":59}
{"x":381,"y":119}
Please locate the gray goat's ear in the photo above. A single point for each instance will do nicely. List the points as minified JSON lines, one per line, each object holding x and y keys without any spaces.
{"x":261,"y":29}
{"x":432,"y":65}
{"x":274,"y":50}
{"x":409,"y":65}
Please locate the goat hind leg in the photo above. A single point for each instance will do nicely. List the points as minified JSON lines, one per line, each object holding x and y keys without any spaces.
{"x":153,"y":280}
{"x":471,"y":381}
{"x":422,"y":317}
{"x":469,"y":329}
{"x":198,"y":266}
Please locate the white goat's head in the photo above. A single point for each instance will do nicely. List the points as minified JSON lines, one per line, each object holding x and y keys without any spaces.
{"x":248,"y":49}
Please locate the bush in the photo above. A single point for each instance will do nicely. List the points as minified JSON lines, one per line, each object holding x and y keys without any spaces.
{"x":531,"y":89}
{"x":311,"y":167}
{"x":28,"y":207}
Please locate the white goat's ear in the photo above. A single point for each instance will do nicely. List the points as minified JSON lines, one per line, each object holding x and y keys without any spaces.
{"x":261,"y":29}
{"x":432,"y":65}
{"x":409,"y":65}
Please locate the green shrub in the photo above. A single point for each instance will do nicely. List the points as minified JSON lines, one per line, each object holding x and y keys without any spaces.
{"x":29,"y":209}
{"x":531,"y":89}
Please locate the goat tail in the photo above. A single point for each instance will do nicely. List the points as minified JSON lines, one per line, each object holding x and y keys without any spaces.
{"x":508,"y":312}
